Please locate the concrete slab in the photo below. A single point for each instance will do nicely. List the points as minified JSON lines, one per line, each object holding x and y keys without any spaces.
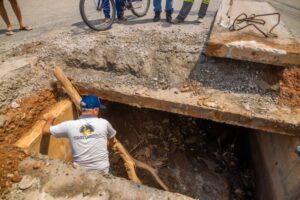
{"x":210,"y":104}
{"x":249,"y":44}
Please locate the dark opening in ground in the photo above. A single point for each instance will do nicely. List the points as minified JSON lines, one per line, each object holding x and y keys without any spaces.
{"x":195,"y":157}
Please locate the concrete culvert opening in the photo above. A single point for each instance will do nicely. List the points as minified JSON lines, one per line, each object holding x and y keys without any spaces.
{"x":198,"y":158}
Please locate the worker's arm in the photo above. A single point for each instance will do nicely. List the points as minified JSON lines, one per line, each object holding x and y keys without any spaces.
{"x":111,"y":135}
{"x":49,"y":122}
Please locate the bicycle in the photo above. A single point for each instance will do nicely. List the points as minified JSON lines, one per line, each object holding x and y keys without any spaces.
{"x":99,"y":15}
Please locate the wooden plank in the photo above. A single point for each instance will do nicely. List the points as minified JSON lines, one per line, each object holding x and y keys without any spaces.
{"x":249,"y":44}
{"x":57,"y":148}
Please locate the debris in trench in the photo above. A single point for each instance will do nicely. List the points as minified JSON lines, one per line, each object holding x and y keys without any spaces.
{"x":26,"y":182}
{"x":185,"y":152}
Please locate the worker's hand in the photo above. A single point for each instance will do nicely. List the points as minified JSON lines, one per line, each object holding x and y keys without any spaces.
{"x":112,"y":141}
{"x":49,"y":117}
{"x":49,"y":121}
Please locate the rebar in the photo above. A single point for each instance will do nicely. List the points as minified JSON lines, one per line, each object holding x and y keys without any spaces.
{"x":253,"y":20}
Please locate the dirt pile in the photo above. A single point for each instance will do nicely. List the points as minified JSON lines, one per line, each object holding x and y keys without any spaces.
{"x":16,"y":120}
{"x":290,"y":87}
{"x":49,"y":179}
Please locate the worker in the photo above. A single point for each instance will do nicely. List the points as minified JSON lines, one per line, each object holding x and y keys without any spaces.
{"x":89,"y":135}
{"x":158,"y":10}
{"x":186,"y":8}
{"x":16,"y":8}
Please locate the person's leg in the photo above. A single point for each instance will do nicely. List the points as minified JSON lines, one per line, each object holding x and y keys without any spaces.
{"x":106,"y":9}
{"x":5,"y":18}
{"x":157,"y":10}
{"x":169,"y":5}
{"x":203,"y":8}
{"x":169,"y":10}
{"x":119,"y":8}
{"x":120,"y":12}
{"x":184,"y":11}
{"x":16,"y":8}
{"x":157,"y":5}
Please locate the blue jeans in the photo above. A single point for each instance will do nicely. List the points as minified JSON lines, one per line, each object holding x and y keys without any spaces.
{"x":119,"y":7}
{"x":157,"y":5}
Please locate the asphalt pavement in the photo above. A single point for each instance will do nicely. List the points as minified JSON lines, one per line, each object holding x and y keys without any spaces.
{"x":48,"y":15}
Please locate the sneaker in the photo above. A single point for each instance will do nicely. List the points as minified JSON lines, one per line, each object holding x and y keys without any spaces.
{"x":107,"y":20}
{"x":199,"y":20}
{"x":177,"y":20}
{"x":122,"y":18}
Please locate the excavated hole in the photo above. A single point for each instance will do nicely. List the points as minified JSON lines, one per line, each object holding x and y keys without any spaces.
{"x":195,"y":157}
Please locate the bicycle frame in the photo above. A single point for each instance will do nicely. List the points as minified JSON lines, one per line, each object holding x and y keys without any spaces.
{"x":99,"y":7}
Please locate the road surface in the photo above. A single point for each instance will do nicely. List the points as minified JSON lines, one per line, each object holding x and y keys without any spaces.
{"x":47,"y":15}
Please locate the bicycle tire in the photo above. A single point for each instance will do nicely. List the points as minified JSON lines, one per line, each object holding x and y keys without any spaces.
{"x":89,"y":24}
{"x":142,"y":14}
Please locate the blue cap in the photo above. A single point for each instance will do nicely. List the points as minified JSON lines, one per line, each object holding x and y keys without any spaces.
{"x":91,"y":102}
{"x":298,"y":150}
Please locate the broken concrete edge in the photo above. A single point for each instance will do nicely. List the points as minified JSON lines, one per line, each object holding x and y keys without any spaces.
{"x":165,"y":103}
{"x":234,"y":49}
{"x":54,"y":179}
{"x":248,"y":44}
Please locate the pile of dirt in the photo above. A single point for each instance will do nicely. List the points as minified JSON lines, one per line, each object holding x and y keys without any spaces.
{"x":198,"y":158}
{"x":49,"y":179}
{"x":290,"y":87}
{"x":15,"y":121}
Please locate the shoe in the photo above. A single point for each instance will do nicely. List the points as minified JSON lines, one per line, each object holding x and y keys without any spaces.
{"x":107,"y":20}
{"x":199,"y":20}
{"x":169,"y":16}
{"x":156,"y":17}
{"x":122,"y":18}
{"x":177,"y":20}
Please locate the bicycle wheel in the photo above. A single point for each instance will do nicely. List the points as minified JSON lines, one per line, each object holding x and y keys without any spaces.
{"x":99,"y":15}
{"x":140,"y":7}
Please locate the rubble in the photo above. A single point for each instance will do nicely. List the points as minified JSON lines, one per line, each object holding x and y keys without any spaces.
{"x":27,"y":182}
{"x":64,"y":182}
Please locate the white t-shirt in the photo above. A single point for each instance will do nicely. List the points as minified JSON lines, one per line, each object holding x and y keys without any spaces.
{"x":88,"y":137}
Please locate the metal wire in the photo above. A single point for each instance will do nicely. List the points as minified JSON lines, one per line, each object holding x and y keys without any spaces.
{"x":253,"y":20}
